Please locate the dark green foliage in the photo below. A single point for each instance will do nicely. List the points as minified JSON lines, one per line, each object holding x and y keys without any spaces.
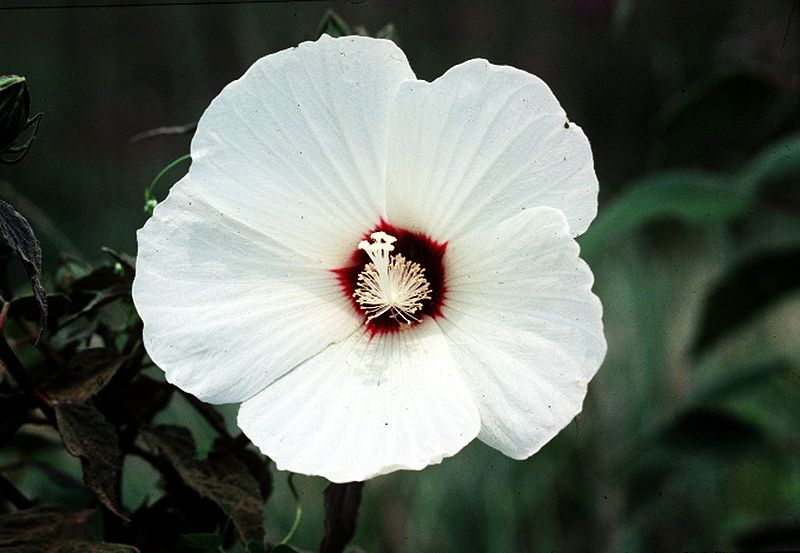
{"x":742,"y":380}
{"x":15,"y":105}
{"x":86,"y":374}
{"x":773,"y":173}
{"x":28,"y":308}
{"x":733,"y":111}
{"x":221,"y":477}
{"x":102,"y":405}
{"x":780,"y":534}
{"x":19,"y":236}
{"x":750,"y":287}
{"x":332,"y":24}
{"x":198,"y":543}
{"x":46,"y":529}
{"x":283,"y":548}
{"x":89,"y":436}
{"x":704,"y":430}
{"x":689,"y":197}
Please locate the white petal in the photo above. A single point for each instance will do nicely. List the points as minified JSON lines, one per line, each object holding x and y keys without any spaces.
{"x":526,"y":329}
{"x":478,"y":145}
{"x":296,"y":148}
{"x":365,"y":407}
{"x":227,"y":310}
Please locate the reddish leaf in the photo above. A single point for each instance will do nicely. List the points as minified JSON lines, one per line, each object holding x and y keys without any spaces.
{"x":221,"y":477}
{"x":341,"y":513}
{"x":89,"y":436}
{"x":18,"y":233}
{"x":52,"y":530}
{"x":86,"y":374}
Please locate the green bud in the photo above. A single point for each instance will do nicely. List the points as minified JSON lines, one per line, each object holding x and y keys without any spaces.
{"x":15,"y":102}
{"x":332,"y":24}
{"x":388,"y":32}
{"x":149,"y":206}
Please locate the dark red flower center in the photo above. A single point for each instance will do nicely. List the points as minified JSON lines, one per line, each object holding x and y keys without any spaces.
{"x":412,"y":247}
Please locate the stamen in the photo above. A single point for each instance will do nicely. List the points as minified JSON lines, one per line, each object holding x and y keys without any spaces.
{"x":390,"y":283}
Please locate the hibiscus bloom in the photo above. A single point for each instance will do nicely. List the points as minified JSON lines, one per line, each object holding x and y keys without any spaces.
{"x":379,"y":268}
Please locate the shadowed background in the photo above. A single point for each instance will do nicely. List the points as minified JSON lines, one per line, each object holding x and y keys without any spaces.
{"x":689,"y":437}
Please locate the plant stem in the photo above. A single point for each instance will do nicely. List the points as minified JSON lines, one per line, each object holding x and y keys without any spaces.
{"x":18,"y":372}
{"x":298,"y":511}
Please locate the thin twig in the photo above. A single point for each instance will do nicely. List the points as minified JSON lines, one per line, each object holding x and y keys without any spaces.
{"x":18,"y":372}
{"x":4,"y":315}
{"x":164,"y":131}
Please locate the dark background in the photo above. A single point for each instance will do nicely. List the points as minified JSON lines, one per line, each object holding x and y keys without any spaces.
{"x":101,"y":75}
{"x":679,"y":447}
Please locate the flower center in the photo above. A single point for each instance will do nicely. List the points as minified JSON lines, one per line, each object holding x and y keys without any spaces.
{"x":390,"y":283}
{"x":395,"y":278}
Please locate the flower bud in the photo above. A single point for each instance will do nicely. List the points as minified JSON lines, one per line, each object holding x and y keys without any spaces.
{"x":15,"y":100}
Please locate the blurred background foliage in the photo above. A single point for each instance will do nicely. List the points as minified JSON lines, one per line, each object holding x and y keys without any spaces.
{"x":690,"y":436}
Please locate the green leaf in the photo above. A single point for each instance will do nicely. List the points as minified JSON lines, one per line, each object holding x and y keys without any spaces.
{"x":27,"y":308}
{"x":689,"y":197}
{"x":221,"y":477}
{"x":14,"y":121}
{"x":652,"y":471}
{"x":254,"y":547}
{"x":283,"y":548}
{"x":774,"y":174}
{"x":740,"y":379}
{"x":776,"y":534}
{"x":68,"y":271}
{"x":777,"y":162}
{"x":127,"y":262}
{"x":98,"y":279}
{"x":90,"y":437}
{"x":725,"y":116}
{"x":389,"y":32}
{"x":332,"y":24}
{"x":746,"y":290}
{"x":341,"y":513}
{"x":20,"y":237}
{"x":712,"y":431}
{"x":198,"y":543}
{"x":99,"y":300}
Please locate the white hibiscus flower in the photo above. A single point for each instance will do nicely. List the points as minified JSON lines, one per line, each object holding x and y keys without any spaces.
{"x":379,"y":268}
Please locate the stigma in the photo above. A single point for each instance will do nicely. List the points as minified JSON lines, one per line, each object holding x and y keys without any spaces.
{"x":390,"y":283}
